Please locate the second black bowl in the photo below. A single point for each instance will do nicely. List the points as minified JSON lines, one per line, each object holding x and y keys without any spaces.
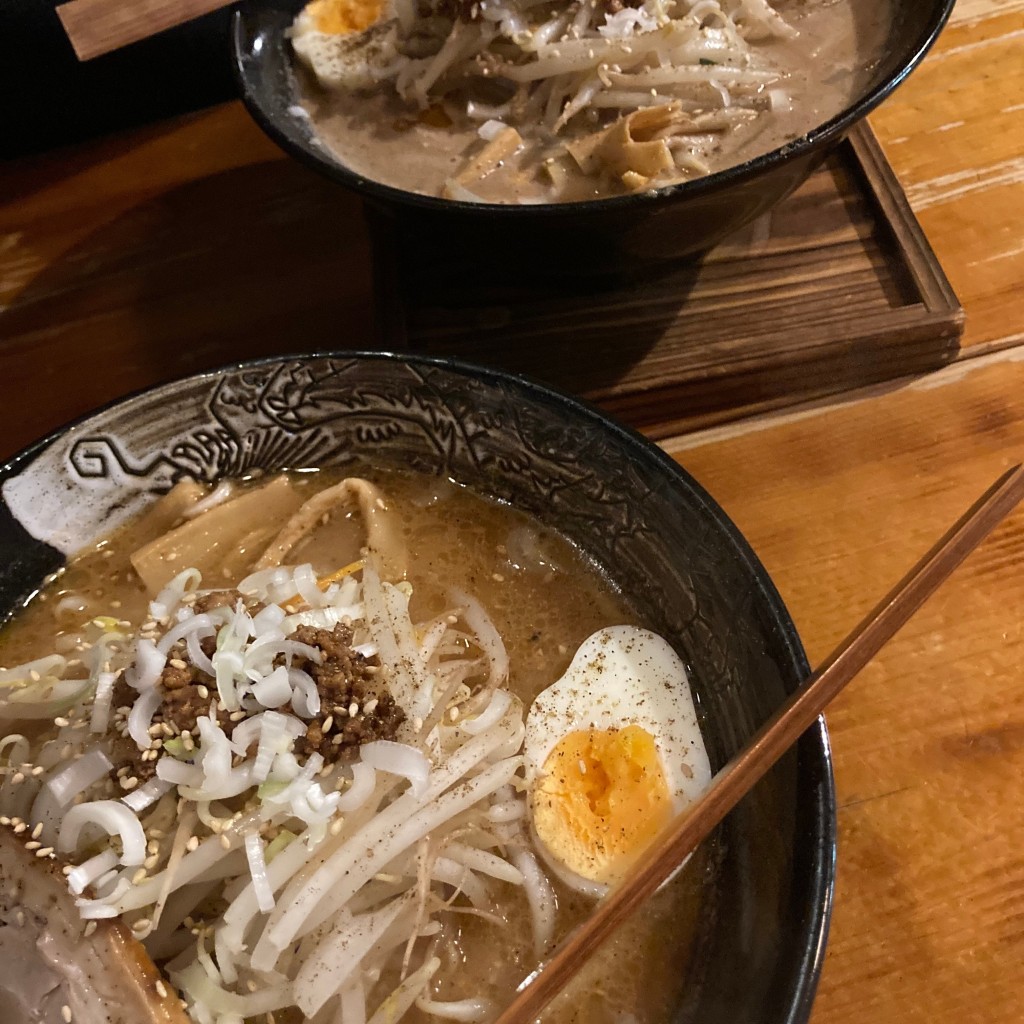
{"x":623,"y":234}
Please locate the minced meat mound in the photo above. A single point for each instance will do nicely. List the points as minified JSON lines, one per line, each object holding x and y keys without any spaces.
{"x":343,"y":678}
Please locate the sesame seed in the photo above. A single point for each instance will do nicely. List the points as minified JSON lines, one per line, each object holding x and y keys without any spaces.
{"x":236,"y":716}
{"x":137,"y":878}
{"x":225,"y":842}
{"x":20,"y":918}
{"x":20,"y":827}
{"x":328,"y":724}
{"x":46,"y":851}
{"x":89,"y":928}
{"x":353,"y":709}
{"x":37,"y":831}
{"x":370,"y":706}
{"x":203,"y":692}
{"x":65,"y":1010}
{"x":161,"y":989}
{"x":34,"y":675}
{"x":37,"y":771}
{"x":61,"y":722}
{"x":193,"y":844}
{"x":17,"y":778}
{"x":177,"y":663}
{"x":453,"y":714}
{"x":33,"y":845}
{"x":151,"y":862}
{"x":336,"y":826}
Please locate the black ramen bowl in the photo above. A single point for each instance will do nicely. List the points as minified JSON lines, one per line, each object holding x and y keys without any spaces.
{"x":659,"y":537}
{"x":621,"y":236}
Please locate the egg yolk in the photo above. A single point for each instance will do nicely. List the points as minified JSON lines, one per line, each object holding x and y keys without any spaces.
{"x":602,"y":798}
{"x":340,"y":17}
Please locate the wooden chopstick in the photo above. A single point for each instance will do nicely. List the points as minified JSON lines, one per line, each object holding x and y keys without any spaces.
{"x":777,"y":735}
{"x":96,"y":27}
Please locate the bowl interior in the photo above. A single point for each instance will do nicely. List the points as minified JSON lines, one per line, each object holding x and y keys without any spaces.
{"x":657,"y":535}
{"x":264,"y":68}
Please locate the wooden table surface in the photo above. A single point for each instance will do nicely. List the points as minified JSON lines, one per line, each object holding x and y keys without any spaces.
{"x":124,"y":262}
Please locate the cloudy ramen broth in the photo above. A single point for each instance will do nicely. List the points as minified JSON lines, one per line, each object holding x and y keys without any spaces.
{"x":543,"y":599}
{"x":638,"y":95}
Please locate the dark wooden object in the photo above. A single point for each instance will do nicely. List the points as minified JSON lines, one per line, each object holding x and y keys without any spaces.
{"x":834,"y":289}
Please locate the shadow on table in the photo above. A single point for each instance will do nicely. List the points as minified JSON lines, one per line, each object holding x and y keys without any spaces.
{"x":259,"y":260}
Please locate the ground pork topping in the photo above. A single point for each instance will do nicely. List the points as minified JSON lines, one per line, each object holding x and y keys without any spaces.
{"x":356,"y":705}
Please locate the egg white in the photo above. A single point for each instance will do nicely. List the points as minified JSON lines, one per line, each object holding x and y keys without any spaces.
{"x":620,"y":676}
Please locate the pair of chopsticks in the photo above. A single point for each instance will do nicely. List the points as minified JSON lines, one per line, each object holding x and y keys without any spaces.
{"x":96,"y":27}
{"x":777,"y":735}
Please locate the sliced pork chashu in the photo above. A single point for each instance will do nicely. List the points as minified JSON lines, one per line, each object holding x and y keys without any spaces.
{"x":47,"y":961}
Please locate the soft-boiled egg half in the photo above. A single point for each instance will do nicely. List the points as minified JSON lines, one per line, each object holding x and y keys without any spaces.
{"x":613,"y":752}
{"x":331,"y":38}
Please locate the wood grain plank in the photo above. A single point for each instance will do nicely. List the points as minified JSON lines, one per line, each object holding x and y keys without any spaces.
{"x":96,"y":27}
{"x":952,"y":134}
{"x":929,"y":741}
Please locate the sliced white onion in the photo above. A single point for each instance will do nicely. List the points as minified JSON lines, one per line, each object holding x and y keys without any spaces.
{"x":274,"y":690}
{"x":207,"y":623}
{"x":277,"y":732}
{"x":178,"y":773}
{"x":305,"y":696}
{"x":114,"y":818}
{"x":61,"y":788}
{"x":170,"y":597}
{"x":147,"y":794}
{"x":258,"y":870}
{"x":32,"y":673}
{"x":306,"y":585}
{"x":364,"y":781}
{"x":140,"y":718}
{"x":106,"y":906}
{"x":267,"y":618}
{"x":149,"y":663}
{"x":99,"y":719}
{"x":195,"y":651}
{"x":92,"y":869}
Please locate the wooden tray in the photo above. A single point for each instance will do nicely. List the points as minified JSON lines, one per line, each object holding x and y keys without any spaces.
{"x":834,"y":289}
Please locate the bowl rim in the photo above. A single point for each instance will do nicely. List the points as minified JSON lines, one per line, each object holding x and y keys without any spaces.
{"x":815,"y":764}
{"x":247,"y":17}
